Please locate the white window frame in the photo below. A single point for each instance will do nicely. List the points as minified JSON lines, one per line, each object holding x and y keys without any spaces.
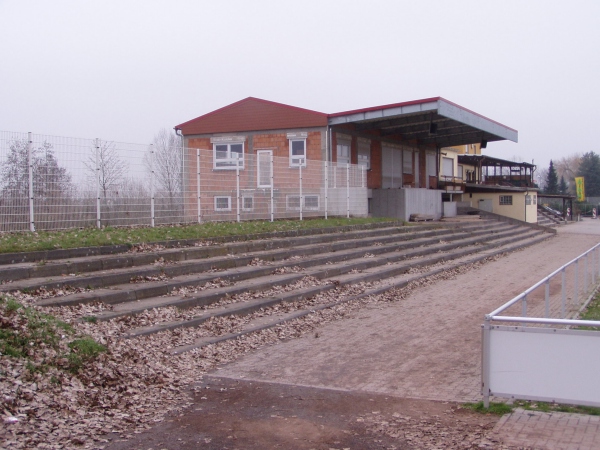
{"x":232,"y":159}
{"x":287,"y":202}
{"x":313,"y":208}
{"x":343,"y":144}
{"x":506,"y":200}
{"x":304,"y":207}
{"x":445,"y":166}
{"x":244,"y":207}
{"x":364,"y":153}
{"x":297,"y":160}
{"x":218,"y":197}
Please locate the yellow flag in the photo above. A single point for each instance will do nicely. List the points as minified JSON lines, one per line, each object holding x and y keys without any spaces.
{"x":580,"y":185}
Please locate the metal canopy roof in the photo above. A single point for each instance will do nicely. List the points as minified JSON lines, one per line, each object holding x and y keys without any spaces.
{"x":433,"y":121}
{"x":488,"y":161}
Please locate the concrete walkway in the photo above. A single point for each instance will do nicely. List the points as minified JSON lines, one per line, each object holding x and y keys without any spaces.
{"x":556,"y":431}
{"x":427,"y":345}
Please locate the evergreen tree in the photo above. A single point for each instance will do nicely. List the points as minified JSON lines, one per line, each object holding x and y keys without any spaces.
{"x":562,"y":187}
{"x":589,"y":169}
{"x":551,"y":180}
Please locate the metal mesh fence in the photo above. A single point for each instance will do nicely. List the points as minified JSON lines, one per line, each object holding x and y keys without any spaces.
{"x":560,"y":295}
{"x":49,"y":182}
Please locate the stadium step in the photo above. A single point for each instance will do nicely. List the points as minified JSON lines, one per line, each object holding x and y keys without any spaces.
{"x":246,"y":278}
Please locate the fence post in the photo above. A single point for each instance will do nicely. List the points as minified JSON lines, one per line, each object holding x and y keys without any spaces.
{"x":98,"y":216}
{"x":547,"y":298}
{"x":363,"y":176}
{"x":30,"y":175}
{"x":272,"y":185}
{"x":335,"y":175}
{"x":198,"y":202}
{"x":593,"y":269}
{"x":326,"y":188}
{"x":347,"y":191}
{"x":485,"y":362}
{"x":152,"y":185}
{"x":237,"y":187}
{"x":564,"y":294}
{"x":576,"y":282}
{"x":301,"y":162}
{"x":585,"y":275}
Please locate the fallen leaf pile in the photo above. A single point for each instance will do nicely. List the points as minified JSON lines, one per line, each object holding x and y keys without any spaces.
{"x":136,"y":382}
{"x":146,"y":248}
{"x":148,"y":278}
{"x":259,"y":262}
{"x":185,"y":291}
{"x":286,"y":269}
{"x":43,"y":293}
{"x":432,"y":431}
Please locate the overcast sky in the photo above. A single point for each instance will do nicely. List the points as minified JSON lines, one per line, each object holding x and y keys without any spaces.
{"x":122,"y":70}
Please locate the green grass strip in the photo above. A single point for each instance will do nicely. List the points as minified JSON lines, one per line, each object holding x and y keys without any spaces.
{"x":93,"y":237}
{"x":500,"y":408}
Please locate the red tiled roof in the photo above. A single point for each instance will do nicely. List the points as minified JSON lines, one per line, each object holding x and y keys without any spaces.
{"x":253,"y":114}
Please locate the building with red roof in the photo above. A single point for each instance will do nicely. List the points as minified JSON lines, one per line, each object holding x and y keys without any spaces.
{"x":397,"y":147}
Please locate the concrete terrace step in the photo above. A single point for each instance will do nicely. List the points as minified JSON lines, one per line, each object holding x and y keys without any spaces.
{"x":384,"y":255}
{"x":119,"y":289}
{"x":155,"y":264}
{"x":269,"y":321}
{"x":95,"y":263}
{"x":206,"y":249}
{"x":378,"y":267}
{"x":103,"y":251}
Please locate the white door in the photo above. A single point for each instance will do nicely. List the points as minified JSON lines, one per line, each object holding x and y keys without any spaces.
{"x":264,"y":168}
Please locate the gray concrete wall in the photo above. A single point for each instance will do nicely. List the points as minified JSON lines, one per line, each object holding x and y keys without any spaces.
{"x":450,"y":209}
{"x":401,"y":203}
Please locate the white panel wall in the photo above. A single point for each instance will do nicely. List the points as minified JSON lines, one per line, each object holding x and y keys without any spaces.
{"x":338,"y":201}
{"x":545,"y":364}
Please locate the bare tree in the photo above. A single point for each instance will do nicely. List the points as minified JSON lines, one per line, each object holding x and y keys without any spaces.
{"x":541,"y":178}
{"x":166,"y":162}
{"x":111,"y":167}
{"x":568,"y":167}
{"x":50,"y":181}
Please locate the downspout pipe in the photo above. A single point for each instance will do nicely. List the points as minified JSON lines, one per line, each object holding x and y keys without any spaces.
{"x":329,"y":151}
{"x":526,"y":194}
{"x":183,"y":184}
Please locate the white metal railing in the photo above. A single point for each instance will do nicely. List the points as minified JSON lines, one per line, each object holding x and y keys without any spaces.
{"x":536,"y":356}
{"x":49,"y":182}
